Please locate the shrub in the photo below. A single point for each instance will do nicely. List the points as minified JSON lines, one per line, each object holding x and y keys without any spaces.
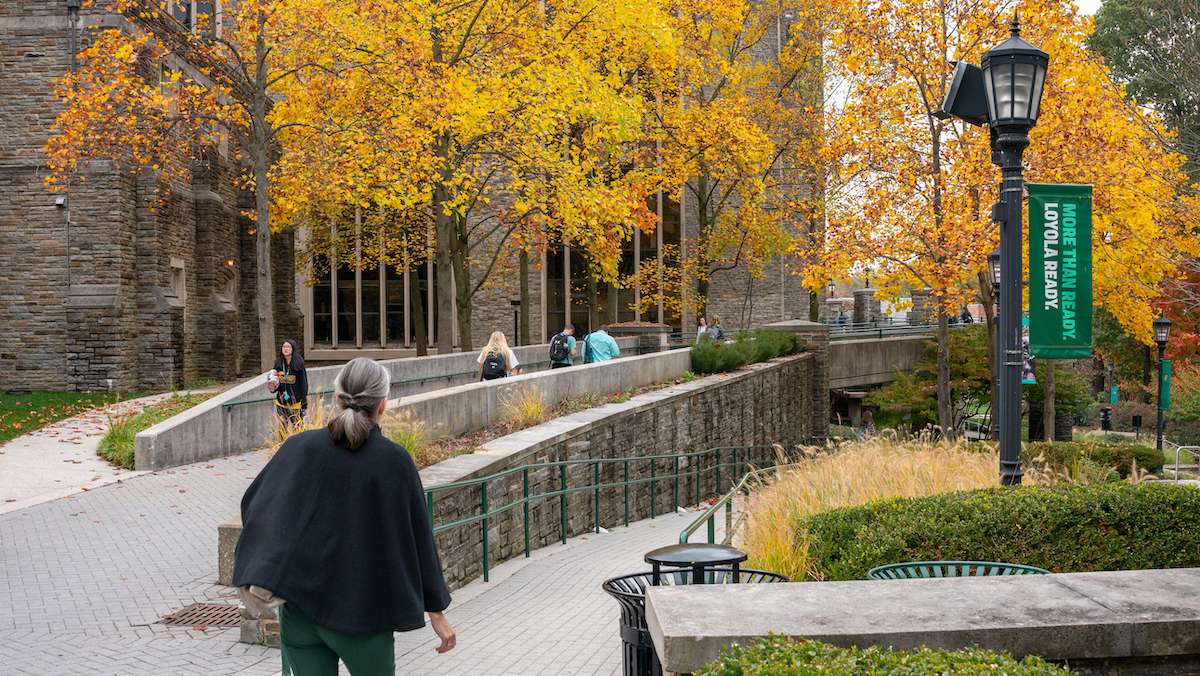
{"x":1063,"y":528}
{"x":117,"y":444}
{"x":1062,"y":455}
{"x":315,"y":419}
{"x":710,"y":356}
{"x":781,"y":655}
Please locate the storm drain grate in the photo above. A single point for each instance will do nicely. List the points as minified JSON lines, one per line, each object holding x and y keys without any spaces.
{"x":206,"y":615}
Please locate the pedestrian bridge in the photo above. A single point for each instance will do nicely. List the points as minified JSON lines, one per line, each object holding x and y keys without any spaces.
{"x":864,"y":361}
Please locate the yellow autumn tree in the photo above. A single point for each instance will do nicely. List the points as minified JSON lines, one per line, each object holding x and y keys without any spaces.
{"x":507,"y":124}
{"x":126,"y":103}
{"x":734,"y":127}
{"x":909,"y":193}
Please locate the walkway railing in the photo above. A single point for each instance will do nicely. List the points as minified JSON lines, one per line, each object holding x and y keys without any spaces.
{"x":883,"y":328}
{"x":725,"y":502}
{"x":725,"y":461}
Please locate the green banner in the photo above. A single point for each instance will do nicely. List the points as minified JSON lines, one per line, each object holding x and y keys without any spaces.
{"x":1164,"y":392}
{"x":1060,"y":271}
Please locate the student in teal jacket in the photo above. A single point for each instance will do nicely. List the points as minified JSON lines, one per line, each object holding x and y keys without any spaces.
{"x":599,"y":346}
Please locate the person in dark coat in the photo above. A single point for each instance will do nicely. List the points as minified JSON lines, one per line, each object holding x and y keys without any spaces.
{"x":335,"y":534}
{"x":290,"y":381}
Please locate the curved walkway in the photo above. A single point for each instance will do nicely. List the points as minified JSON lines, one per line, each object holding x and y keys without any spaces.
{"x":84,"y":580}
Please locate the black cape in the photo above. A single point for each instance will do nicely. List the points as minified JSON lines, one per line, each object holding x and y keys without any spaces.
{"x":342,"y":535}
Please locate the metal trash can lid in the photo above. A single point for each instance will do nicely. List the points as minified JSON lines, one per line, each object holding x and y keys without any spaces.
{"x":700,"y":553}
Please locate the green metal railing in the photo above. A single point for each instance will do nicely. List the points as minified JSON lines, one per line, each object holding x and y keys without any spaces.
{"x":698,"y":466}
{"x":725,"y":502}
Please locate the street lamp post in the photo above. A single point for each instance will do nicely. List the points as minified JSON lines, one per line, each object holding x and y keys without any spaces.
{"x":994,"y":278}
{"x":1012,"y":77}
{"x":1162,"y":333}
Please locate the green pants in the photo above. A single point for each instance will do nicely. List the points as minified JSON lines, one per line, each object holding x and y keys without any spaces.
{"x":312,"y":650}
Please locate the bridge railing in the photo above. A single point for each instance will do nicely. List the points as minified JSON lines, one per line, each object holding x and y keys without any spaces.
{"x":884,"y":328}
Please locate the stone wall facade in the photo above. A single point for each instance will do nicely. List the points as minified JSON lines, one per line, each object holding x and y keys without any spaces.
{"x":754,"y":407}
{"x":128,"y":284}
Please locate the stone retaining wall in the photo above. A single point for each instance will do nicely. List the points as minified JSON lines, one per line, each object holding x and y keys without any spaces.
{"x":760,"y":404}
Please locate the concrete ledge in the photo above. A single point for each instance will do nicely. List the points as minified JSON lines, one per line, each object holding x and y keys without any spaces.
{"x":1102,"y":619}
{"x":464,"y":409}
{"x":242,"y":418}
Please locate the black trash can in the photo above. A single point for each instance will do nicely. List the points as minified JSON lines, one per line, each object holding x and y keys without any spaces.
{"x":637,"y":649}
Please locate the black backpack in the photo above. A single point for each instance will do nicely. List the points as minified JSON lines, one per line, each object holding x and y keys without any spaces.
{"x":494,"y":367}
{"x":559,"y":350}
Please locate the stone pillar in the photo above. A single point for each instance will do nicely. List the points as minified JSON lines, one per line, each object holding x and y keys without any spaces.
{"x":866,"y":307}
{"x":921,"y":313}
{"x":816,"y":342}
{"x":651,"y":337}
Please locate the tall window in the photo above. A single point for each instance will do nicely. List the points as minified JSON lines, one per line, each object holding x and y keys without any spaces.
{"x":347,"y":301}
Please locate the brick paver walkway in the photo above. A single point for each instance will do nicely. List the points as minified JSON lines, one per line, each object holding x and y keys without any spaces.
{"x":84,"y":580}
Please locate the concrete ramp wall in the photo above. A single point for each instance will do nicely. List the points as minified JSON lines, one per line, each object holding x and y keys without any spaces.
{"x":242,"y":418}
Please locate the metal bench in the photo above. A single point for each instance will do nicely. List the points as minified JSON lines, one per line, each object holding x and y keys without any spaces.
{"x":912,"y":570}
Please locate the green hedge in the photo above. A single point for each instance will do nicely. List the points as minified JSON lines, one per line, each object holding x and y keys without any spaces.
{"x":782,"y":656}
{"x":1061,"y":454}
{"x":1064,"y":528}
{"x":711,"y":356}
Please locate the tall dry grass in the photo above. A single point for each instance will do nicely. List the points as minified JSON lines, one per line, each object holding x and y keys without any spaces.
{"x":317,"y":418}
{"x":854,"y":474}
{"x":523,"y":408}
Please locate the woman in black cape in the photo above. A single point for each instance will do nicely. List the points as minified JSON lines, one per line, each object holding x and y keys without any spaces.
{"x":335,"y":534}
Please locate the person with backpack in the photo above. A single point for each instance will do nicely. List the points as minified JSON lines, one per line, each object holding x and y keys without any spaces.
{"x":496,"y":360}
{"x":599,"y":346}
{"x":563,"y":347}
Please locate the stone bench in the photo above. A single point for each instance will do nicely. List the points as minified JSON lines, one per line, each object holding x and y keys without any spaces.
{"x":1145,"y":622}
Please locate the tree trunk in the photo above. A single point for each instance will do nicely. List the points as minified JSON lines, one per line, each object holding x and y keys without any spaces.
{"x":988,"y":301}
{"x":945,"y":405}
{"x":702,"y":230}
{"x":613,"y":305}
{"x":524,"y":315}
{"x":444,"y":243}
{"x":416,"y":305}
{"x":593,"y":314}
{"x":463,"y":293}
{"x":814,"y":306}
{"x":1048,"y":405}
{"x":263,"y":287}
{"x":261,"y":151}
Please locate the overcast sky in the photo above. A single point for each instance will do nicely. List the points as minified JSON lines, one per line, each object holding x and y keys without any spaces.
{"x":1088,"y":6}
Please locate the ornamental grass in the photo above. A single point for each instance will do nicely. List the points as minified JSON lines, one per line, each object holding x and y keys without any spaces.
{"x":854,"y":474}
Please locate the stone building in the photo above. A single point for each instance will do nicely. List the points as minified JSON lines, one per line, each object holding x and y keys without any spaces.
{"x":104,"y":287}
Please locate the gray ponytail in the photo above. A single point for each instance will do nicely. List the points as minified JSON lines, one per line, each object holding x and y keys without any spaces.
{"x":360,"y":386}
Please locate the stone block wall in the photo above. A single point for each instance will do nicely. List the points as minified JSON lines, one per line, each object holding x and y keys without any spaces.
{"x":759,"y":405}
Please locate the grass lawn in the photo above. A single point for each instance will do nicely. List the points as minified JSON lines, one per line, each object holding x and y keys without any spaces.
{"x":23,"y":413}
{"x":117,"y":444}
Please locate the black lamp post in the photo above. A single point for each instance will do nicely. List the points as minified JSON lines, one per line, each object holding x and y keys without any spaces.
{"x":1162,"y":333}
{"x":1013,"y":76}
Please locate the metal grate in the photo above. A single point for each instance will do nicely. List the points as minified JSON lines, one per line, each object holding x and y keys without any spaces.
{"x":206,"y":615}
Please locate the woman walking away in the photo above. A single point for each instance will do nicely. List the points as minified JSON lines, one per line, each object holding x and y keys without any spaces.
{"x":495,"y":359}
{"x":289,"y":382}
{"x":336,"y":536}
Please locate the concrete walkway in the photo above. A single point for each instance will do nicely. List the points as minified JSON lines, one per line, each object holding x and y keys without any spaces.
{"x":85,"y":579}
{"x":60,"y":459}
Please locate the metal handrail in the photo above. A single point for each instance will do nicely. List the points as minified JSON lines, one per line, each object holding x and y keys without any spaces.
{"x":709,"y":516}
{"x":1194,"y":450}
{"x":725,"y":459}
